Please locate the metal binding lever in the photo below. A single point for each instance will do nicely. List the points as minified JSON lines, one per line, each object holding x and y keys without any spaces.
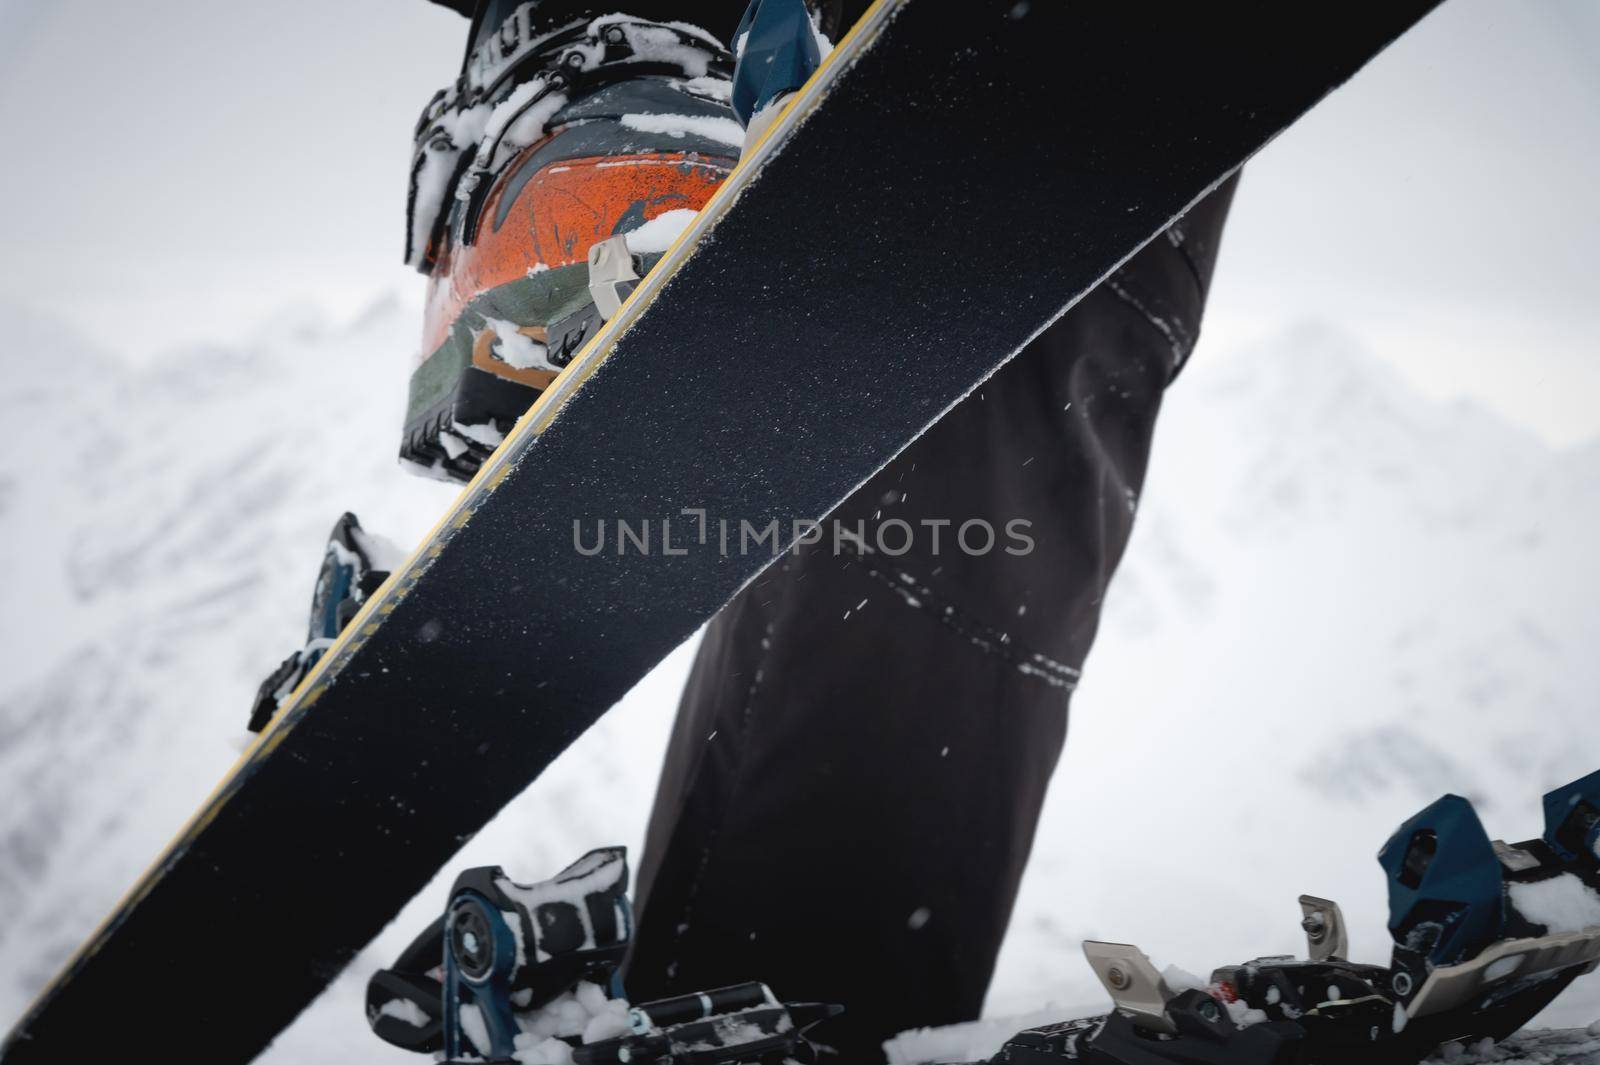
{"x":1323,"y":922}
{"x":699,"y":1005}
{"x":1136,"y":988}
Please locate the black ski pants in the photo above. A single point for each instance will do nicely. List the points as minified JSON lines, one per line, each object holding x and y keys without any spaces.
{"x":862,"y":751}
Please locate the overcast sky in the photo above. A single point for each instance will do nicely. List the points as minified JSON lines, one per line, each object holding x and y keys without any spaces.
{"x":177,"y":171}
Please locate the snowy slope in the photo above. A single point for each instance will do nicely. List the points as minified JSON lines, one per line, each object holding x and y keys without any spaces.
{"x":1341,"y":600}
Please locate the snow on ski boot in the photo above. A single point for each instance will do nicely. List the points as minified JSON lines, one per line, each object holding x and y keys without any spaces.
{"x":554,"y":141}
{"x":1486,"y":935}
{"x":354,"y":565}
{"x":510,"y":966}
{"x":744,"y":1024}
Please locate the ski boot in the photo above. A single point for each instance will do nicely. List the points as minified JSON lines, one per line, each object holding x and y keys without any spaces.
{"x":355,"y":564}
{"x":545,"y":182}
{"x":1485,"y":934}
{"x":550,"y":178}
{"x":529,"y":972}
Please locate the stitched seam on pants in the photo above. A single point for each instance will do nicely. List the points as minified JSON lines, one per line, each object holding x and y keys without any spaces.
{"x":1177,"y":336}
{"x":984,"y":637}
{"x":1180,"y":243}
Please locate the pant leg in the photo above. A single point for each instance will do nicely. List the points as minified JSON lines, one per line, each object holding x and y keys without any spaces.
{"x":860,"y":757}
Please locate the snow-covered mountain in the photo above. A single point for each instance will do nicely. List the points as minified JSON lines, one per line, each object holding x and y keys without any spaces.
{"x":1341,"y":600}
{"x":162,"y":529}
